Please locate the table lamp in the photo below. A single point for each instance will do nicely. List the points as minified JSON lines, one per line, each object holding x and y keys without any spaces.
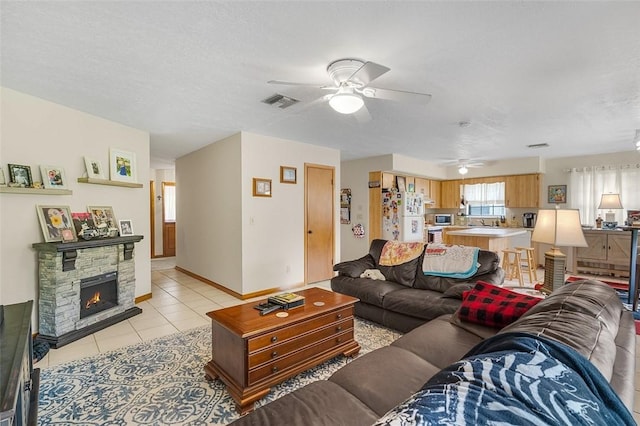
{"x":558,"y":228}
{"x":610,"y":201}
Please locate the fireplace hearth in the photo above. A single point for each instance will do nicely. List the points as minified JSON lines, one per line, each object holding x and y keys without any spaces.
{"x":98,"y":293}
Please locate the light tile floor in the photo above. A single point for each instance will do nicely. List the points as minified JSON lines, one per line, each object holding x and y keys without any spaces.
{"x":181,"y":302}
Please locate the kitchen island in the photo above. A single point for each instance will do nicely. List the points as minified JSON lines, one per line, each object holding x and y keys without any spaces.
{"x":487,"y":238}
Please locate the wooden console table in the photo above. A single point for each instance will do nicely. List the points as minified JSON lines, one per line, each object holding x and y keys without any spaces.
{"x":252,"y":353}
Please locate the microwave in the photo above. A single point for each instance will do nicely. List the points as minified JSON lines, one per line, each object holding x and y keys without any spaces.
{"x":442,"y":219}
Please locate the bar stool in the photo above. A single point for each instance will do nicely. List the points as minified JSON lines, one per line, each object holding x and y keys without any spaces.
{"x":512,"y":265}
{"x":529,"y":263}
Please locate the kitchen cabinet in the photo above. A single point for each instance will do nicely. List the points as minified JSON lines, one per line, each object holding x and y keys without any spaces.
{"x":522,"y":191}
{"x":434,"y":193}
{"x":410,"y":181}
{"x":450,"y":194}
{"x":608,"y":252}
{"x":422,"y":187}
{"x":388,"y":180}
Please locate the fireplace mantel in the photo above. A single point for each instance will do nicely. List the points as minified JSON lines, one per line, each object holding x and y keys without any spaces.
{"x":69,"y":253}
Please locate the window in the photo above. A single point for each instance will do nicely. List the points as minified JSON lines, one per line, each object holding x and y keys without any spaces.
{"x":587,"y":184}
{"x":169,"y":192}
{"x":485,"y":199}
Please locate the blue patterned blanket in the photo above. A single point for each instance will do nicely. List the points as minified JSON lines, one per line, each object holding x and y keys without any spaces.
{"x":515,"y":379}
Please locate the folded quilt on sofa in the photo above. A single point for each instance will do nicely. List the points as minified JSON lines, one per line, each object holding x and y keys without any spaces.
{"x":450,"y":261}
{"x":515,"y":378}
{"x":396,"y":252}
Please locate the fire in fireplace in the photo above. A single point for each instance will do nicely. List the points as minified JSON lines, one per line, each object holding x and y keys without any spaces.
{"x":98,"y":293}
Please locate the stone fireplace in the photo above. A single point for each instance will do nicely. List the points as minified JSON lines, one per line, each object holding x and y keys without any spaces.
{"x":84,"y":286}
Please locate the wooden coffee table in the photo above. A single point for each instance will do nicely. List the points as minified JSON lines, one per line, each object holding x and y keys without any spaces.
{"x":252,"y":353}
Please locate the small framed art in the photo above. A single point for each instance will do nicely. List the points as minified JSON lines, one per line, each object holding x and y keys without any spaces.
{"x":20,"y":175}
{"x":94,"y":168}
{"x":261,"y":187}
{"x":126,"y":227}
{"x":53,"y":177}
{"x":122,"y":165}
{"x":557,"y":194}
{"x":288,"y":174}
{"x":103,"y":217}
{"x":56,"y":223}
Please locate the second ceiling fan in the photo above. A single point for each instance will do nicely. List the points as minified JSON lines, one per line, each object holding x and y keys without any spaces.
{"x":351,"y":78}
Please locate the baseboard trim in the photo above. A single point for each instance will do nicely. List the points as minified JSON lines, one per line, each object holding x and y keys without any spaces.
{"x":143,"y":298}
{"x":231,"y":292}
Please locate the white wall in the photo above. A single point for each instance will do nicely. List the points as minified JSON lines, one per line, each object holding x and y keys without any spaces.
{"x":242,"y":242}
{"x":273,"y":228}
{"x":36,"y":132}
{"x":209,"y":212}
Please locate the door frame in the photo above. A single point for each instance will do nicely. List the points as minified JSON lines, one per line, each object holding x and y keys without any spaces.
{"x":333,"y":213}
{"x":152,"y":219}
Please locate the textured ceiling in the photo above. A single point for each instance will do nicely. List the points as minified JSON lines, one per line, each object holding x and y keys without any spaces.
{"x":191,"y":73}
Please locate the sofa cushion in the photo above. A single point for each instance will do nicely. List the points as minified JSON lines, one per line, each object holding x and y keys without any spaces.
{"x":367,"y":290}
{"x":354,"y":268}
{"x":425,"y":304}
{"x":321,"y":403}
{"x":584,"y":315}
{"x":456,"y":291}
{"x":489,"y":271}
{"x":384,"y":378}
{"x":404,"y":273}
{"x":494,"y":306}
{"x":439,"y":341}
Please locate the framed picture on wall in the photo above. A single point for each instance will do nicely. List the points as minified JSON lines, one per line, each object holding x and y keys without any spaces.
{"x":122,"y":165}
{"x":103,"y":217}
{"x":94,"y":168}
{"x":56,"y":223}
{"x":20,"y":175}
{"x":261,"y":187}
{"x":557,"y":194}
{"x":288,"y":174}
{"x":53,"y":177}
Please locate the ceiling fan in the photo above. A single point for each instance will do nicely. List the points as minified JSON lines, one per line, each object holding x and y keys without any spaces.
{"x":351,"y":78}
{"x":465,"y":164}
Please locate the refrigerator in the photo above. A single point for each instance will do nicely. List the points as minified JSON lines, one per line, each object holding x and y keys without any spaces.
{"x":402,"y":216}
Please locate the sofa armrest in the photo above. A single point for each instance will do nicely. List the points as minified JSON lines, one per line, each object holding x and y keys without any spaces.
{"x":353,"y":268}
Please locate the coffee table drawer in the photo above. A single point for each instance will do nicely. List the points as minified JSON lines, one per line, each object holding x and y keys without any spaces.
{"x":277,"y":336}
{"x":292,"y":345}
{"x":280,"y":365}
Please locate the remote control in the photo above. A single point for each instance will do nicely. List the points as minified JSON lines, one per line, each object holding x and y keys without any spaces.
{"x":270,"y":309}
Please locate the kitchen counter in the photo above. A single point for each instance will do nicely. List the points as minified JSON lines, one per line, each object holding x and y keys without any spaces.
{"x":487,"y":238}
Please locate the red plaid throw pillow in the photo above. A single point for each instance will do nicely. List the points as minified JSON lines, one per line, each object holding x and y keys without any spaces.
{"x":494,"y":306}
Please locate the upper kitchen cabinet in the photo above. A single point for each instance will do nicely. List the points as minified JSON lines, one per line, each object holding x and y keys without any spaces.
{"x":522,"y":191}
{"x":434,"y":193}
{"x":422,"y":187}
{"x":388,"y":180}
{"x":450,"y":194}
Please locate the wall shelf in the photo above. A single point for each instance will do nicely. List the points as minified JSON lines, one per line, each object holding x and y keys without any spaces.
{"x":34,"y":191}
{"x":109,"y":182}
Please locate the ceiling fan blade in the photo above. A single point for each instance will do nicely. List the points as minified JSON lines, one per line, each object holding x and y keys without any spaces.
{"x":396,"y":95}
{"x":290,"y":83}
{"x":362,"y":115}
{"x":368,"y":72}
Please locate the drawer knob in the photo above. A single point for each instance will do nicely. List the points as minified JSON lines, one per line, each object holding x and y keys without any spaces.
{"x":338,"y":340}
{"x":339,"y":328}
{"x":274,"y":354}
{"x":274,"y":339}
{"x":339,"y":316}
{"x":274,"y":369}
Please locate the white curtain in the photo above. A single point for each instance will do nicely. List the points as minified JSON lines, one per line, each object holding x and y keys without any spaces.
{"x":589,"y":183}
{"x":484,"y":193}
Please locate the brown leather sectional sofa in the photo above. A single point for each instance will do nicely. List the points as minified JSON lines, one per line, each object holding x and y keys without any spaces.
{"x":586,"y":316}
{"x":408,"y":298}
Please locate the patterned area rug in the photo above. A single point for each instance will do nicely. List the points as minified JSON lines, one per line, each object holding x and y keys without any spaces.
{"x":161,"y":382}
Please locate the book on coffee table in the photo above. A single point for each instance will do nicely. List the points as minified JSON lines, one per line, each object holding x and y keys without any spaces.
{"x":287,"y":300}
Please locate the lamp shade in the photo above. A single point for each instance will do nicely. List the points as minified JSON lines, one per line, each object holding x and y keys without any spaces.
{"x":610,"y":201}
{"x":346,"y":102}
{"x":559,"y":228}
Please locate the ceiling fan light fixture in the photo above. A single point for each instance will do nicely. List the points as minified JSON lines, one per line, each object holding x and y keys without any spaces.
{"x":346,"y":102}
{"x":463,"y":170}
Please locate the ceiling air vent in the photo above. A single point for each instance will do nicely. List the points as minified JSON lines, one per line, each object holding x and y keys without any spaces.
{"x":538,"y":145}
{"x":280,"y":101}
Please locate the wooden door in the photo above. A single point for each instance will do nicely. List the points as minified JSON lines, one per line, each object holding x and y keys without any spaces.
{"x":152,"y":218}
{"x":168,"y":219}
{"x":450,"y":194}
{"x":319,"y":222}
